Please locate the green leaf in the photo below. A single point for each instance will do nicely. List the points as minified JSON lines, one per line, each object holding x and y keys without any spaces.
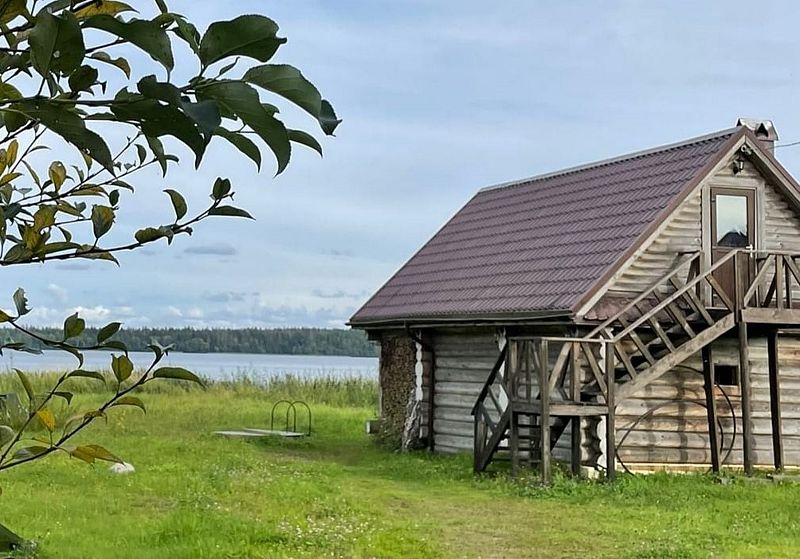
{"x":21,"y":302}
{"x":229,"y":211}
{"x":157,"y":120}
{"x":115,"y":344}
{"x":12,"y":9}
{"x":306,"y":139}
{"x":65,"y":395}
{"x":56,"y":43}
{"x":205,"y":114}
{"x":13,"y":120}
{"x":75,"y":352}
{"x":109,"y":7}
{"x":178,"y":203}
{"x":122,"y":367}
{"x":26,"y":384}
{"x":242,"y":100}
{"x":120,"y":62}
{"x":149,"y":234}
{"x":80,"y":373}
{"x":288,"y":82}
{"x":29,"y":452}
{"x":57,"y":174}
{"x":158,"y":152}
{"x":78,"y":453}
{"x":69,"y":126}
{"x":98,"y":452}
{"x":253,"y":36}
{"x":107,"y":331}
{"x":7,"y":435}
{"x":147,"y":35}
{"x":221,"y":188}
{"x":242,"y":143}
{"x":47,"y":419}
{"x":130,"y":401}
{"x":102,"y":220}
{"x":151,"y":88}
{"x":177,"y":373}
{"x":327,"y":118}
{"x":188,"y":33}
{"x":73,"y":326}
{"x":82,"y":79}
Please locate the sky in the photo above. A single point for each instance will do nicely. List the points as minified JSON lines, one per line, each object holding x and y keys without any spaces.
{"x":438,"y":99}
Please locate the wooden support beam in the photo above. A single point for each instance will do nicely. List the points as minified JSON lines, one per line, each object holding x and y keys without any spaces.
{"x":711,"y":406}
{"x":775,"y":399}
{"x":544,"y":417}
{"x":747,"y":411}
{"x":575,"y":395}
{"x":513,"y":442}
{"x":611,"y":431}
{"x":785,"y":317}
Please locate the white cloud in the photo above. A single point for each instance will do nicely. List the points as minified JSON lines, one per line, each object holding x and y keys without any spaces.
{"x":58,"y":293}
{"x":95,"y":314}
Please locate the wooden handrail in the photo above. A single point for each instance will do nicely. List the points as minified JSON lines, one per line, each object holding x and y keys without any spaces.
{"x":492,"y":376}
{"x":760,"y":274}
{"x":645,"y":294}
{"x":674,"y":296}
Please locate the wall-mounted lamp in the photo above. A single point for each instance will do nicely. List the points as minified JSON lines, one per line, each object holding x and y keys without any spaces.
{"x":737,"y":165}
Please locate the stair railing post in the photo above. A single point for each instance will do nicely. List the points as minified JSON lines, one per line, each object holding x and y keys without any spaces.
{"x":779,"y":279}
{"x":544,"y":416}
{"x":512,"y":363}
{"x":575,"y":394}
{"x":747,"y":411}
{"x":775,"y":400}
{"x":611,"y":448}
{"x":711,"y":407}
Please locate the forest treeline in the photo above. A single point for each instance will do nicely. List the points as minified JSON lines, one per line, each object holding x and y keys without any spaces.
{"x":288,"y":341}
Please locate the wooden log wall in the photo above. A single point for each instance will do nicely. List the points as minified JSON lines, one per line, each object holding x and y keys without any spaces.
{"x":464,"y":359}
{"x":676,"y":432}
{"x":682,"y":233}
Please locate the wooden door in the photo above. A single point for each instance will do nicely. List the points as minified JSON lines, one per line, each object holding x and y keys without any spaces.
{"x":733,"y":225}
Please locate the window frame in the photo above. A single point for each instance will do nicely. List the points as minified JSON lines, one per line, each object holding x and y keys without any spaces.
{"x":750,"y":195}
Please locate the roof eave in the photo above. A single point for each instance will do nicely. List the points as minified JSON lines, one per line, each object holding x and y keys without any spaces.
{"x":491,"y":318}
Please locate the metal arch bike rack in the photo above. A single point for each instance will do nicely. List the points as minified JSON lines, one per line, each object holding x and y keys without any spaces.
{"x":291,"y":411}
{"x":290,"y":427}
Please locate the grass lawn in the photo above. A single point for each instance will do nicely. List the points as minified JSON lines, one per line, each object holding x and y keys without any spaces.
{"x":337,"y":494}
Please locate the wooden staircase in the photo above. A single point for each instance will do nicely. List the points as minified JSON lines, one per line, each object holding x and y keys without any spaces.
{"x":531,"y":395}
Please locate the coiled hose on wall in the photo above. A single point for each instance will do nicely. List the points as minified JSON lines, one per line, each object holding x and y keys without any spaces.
{"x":654,"y":409}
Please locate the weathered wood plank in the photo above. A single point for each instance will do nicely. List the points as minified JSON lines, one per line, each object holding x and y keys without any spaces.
{"x":747,"y":418}
{"x":775,"y":400}
{"x":711,"y":407}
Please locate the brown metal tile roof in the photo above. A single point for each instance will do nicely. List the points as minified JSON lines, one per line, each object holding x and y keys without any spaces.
{"x":538,"y":245}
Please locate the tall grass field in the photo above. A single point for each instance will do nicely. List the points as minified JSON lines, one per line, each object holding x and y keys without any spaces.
{"x":337,"y":493}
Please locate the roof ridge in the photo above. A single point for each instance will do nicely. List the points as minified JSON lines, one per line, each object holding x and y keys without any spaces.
{"x":611,"y":160}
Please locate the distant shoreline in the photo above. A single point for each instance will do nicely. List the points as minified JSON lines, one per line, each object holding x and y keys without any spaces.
{"x":258,"y":341}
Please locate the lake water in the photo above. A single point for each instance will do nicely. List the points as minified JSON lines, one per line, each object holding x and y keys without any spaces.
{"x":209,"y":365}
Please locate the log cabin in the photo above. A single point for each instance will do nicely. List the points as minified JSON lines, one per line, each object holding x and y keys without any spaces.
{"x":641,"y":312}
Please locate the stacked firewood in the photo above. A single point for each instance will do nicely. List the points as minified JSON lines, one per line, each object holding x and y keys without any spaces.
{"x":398,"y":356}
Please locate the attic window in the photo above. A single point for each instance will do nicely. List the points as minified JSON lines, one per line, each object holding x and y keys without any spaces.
{"x":726,"y":375}
{"x":731,"y":222}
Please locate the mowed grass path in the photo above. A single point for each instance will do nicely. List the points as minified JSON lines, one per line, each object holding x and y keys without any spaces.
{"x":337,"y":494}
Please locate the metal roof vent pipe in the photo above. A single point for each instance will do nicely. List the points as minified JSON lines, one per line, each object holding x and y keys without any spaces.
{"x":764,"y":131}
